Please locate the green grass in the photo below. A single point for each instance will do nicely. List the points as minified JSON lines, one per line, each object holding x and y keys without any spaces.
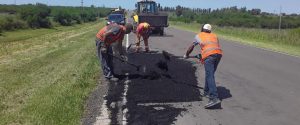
{"x":287,"y":41}
{"x":46,"y":76}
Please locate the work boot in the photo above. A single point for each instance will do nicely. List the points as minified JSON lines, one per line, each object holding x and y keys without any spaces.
{"x":137,"y":49}
{"x":113,"y":79}
{"x":212,"y":102}
{"x":205,"y":94}
{"x":147,"y":49}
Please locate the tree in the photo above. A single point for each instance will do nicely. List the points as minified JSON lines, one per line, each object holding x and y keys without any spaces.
{"x":37,"y":16}
{"x":255,"y":11}
{"x":64,"y":18}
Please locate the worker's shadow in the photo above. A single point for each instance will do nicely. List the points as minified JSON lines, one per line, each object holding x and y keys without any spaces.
{"x":223,"y":93}
{"x":165,"y":35}
{"x":154,"y":93}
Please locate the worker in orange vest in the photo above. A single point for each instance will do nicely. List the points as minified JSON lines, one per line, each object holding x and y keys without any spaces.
{"x":142,"y":30}
{"x":211,"y":55}
{"x":104,"y":38}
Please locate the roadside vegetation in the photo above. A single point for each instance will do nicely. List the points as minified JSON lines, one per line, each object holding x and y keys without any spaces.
{"x":42,"y":16}
{"x":233,"y":16}
{"x":46,"y":74}
{"x":251,"y":27}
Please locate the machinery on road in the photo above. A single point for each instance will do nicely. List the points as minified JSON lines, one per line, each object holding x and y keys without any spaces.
{"x":148,"y":11}
{"x":117,"y":16}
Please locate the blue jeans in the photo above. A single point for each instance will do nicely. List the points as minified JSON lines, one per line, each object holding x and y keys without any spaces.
{"x":106,"y":59}
{"x":211,"y":64}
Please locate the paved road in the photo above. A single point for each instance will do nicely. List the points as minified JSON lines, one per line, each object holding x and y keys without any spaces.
{"x":257,"y":87}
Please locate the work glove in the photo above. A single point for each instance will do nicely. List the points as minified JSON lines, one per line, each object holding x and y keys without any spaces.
{"x":199,"y":56}
{"x":185,"y":56}
{"x":103,"y":50}
{"x":123,"y":58}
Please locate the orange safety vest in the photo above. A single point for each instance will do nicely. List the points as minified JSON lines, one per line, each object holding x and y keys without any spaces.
{"x":111,"y":38}
{"x":209,"y":44}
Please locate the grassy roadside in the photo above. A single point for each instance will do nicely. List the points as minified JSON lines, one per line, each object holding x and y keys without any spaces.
{"x":45,"y":78}
{"x":288,"y":41}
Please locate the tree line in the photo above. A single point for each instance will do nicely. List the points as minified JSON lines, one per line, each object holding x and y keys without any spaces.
{"x":233,"y":16}
{"x":42,"y":16}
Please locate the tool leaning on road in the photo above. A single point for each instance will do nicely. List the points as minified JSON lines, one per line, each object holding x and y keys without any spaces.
{"x":211,"y":55}
{"x":104,"y":38}
{"x":130,"y":45}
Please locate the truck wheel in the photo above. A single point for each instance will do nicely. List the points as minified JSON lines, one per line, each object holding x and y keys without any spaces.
{"x":161,"y":32}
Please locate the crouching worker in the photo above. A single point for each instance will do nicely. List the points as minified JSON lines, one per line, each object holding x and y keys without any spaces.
{"x":143,"y":30}
{"x":211,"y":55}
{"x":105,"y":37}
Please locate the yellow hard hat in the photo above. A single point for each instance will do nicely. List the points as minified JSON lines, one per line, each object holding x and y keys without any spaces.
{"x":146,"y":25}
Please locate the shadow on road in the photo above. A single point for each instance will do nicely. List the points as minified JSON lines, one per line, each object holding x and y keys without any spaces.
{"x":165,"y":35}
{"x":223,"y":92}
{"x":151,"y":90}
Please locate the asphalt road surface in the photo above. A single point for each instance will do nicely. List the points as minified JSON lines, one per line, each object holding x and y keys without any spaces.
{"x":256,"y":86}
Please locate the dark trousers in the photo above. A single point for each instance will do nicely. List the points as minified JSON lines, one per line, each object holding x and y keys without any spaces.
{"x":211,"y":64}
{"x":106,"y":59}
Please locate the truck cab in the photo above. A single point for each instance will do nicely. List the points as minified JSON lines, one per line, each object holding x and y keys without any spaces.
{"x":147,"y":7}
{"x":117,"y":18}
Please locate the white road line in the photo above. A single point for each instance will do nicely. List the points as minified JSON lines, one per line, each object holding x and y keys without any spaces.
{"x":127,"y":40}
{"x":103,"y":119}
{"x":124,"y":101}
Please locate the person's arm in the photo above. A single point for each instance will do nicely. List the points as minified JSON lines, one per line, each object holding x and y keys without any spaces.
{"x":106,"y":34}
{"x":113,"y":30}
{"x":138,"y":38}
{"x":191,"y":48}
{"x":148,"y":32}
{"x":120,"y":47}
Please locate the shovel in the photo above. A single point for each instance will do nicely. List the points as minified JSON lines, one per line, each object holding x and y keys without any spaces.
{"x":131,"y":45}
{"x":129,"y":63}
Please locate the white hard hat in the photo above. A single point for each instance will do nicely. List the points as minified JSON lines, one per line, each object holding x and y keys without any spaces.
{"x":207,"y":27}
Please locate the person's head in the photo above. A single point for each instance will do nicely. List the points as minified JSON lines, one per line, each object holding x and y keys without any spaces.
{"x":206,"y":28}
{"x":128,"y":27}
{"x":146,"y":25}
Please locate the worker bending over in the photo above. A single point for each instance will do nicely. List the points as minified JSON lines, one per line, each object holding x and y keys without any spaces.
{"x":143,"y":30}
{"x":105,"y":37}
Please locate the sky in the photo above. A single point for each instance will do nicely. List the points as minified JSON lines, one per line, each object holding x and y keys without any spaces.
{"x":272,"y":6}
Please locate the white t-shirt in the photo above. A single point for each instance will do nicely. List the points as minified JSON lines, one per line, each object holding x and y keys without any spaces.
{"x":197,"y":40}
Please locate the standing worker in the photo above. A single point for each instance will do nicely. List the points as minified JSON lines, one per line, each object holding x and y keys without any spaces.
{"x":143,"y":30}
{"x":211,"y":55}
{"x":105,"y":37}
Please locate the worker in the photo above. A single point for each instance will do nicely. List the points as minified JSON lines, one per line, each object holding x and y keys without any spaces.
{"x":211,"y":55}
{"x":142,"y":30}
{"x":136,"y":18}
{"x":104,"y":38}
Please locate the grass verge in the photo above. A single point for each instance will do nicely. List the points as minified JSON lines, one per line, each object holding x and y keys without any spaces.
{"x":287,"y":41}
{"x":45,"y":78}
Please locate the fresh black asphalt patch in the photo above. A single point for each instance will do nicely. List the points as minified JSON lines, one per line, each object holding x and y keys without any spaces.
{"x":157,"y":83}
